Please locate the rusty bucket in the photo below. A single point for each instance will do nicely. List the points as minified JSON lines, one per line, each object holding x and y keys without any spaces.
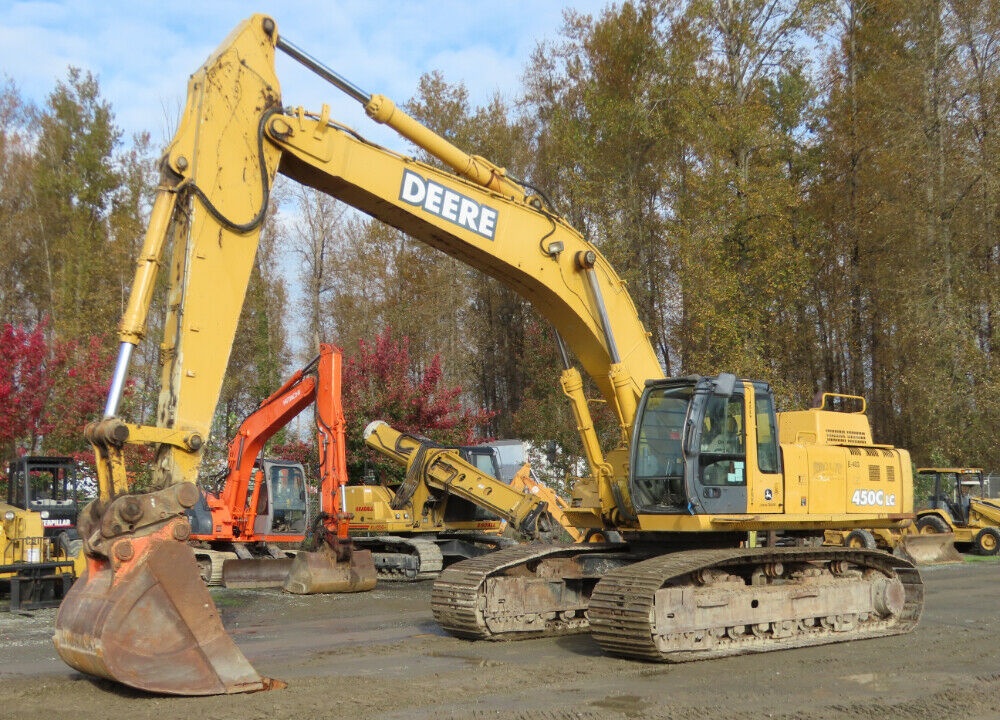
{"x":321,"y":571}
{"x":255,"y":573}
{"x":145,"y":619}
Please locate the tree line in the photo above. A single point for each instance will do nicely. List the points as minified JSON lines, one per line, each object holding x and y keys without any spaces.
{"x":801,"y":191}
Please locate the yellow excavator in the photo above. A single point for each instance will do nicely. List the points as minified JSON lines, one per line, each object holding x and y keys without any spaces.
{"x":698,"y":463}
{"x":430,"y":521}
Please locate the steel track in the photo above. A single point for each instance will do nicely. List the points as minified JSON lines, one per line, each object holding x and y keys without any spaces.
{"x":621,"y":609}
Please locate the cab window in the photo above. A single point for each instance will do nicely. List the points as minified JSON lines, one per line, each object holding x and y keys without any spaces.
{"x":723,"y":442}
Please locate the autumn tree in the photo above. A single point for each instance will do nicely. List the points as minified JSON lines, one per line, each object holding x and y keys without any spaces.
{"x":17,"y":217}
{"x":379,"y":383}
{"x":80,"y":390}
{"x":26,"y":381}
{"x":605,"y":104}
{"x":317,"y":239}
{"x":77,"y":270}
{"x":49,"y":389}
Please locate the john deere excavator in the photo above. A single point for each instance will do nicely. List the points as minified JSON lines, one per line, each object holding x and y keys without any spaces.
{"x":680,"y":586}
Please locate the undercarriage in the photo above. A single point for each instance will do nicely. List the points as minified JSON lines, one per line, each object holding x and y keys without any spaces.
{"x":685,"y":605}
{"x":408,"y":559}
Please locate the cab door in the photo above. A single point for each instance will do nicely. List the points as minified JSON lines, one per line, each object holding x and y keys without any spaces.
{"x":720,"y":475}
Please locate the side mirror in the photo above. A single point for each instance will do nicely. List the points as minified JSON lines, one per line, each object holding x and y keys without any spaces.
{"x":724,"y":385}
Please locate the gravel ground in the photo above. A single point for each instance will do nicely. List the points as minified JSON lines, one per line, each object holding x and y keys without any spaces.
{"x":381,"y":655}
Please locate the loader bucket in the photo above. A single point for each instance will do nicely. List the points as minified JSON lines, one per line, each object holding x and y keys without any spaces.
{"x":147,"y":620}
{"x":320,"y":572}
{"x":928,"y":549}
{"x":256,"y":573}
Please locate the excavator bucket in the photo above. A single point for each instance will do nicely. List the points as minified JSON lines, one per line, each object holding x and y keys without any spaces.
{"x":256,"y":573}
{"x":928,"y":548}
{"x":321,"y":571}
{"x":146,"y":619}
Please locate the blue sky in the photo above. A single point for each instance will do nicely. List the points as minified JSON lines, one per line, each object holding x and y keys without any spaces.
{"x":143,"y":52}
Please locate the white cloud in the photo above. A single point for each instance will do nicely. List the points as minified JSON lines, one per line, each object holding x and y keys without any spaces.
{"x":143,"y":52}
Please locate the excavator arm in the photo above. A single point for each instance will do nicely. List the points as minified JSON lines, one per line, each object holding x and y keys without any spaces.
{"x":445,"y":470}
{"x":217,"y":173}
{"x":216,"y":176}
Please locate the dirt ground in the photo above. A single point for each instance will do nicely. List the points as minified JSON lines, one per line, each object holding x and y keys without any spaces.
{"x":381,"y":655}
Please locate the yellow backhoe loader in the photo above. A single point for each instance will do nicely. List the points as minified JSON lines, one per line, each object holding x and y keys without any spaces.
{"x":681,"y":586}
{"x":958,"y":505}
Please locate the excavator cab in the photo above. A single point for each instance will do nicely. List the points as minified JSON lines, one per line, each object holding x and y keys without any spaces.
{"x":282,"y":507}
{"x":487,"y":460}
{"x":39,"y":545}
{"x":689,"y":453}
{"x":46,"y":485}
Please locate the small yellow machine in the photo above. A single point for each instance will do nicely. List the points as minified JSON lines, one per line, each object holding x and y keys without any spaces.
{"x":41,"y":550}
{"x":958,"y":505}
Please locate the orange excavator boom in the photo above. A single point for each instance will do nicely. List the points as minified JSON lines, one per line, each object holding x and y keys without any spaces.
{"x":244,"y":516}
{"x":234,"y":509}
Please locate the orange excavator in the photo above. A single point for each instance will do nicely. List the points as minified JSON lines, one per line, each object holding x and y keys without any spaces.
{"x":149,"y":575}
{"x":263,"y":502}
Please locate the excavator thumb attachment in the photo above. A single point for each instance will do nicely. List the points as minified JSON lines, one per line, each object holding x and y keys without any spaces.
{"x":928,"y":548}
{"x":143,"y":617}
{"x":331,"y":570}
